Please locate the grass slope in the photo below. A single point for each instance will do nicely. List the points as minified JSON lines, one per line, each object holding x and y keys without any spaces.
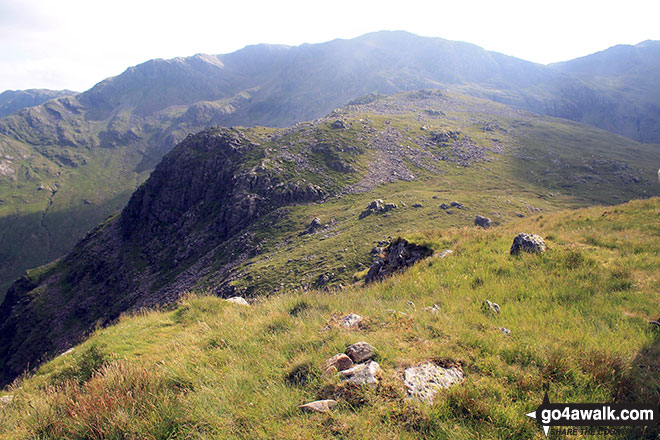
{"x":211,"y":369}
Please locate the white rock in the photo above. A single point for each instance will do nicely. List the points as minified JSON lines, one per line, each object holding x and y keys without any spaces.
{"x":424,"y":381}
{"x":238,"y":300}
{"x":6,"y":400}
{"x":363,"y":374}
{"x":319,"y":406}
{"x":351,"y":320}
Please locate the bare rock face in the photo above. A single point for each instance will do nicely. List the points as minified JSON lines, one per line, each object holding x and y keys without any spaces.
{"x":484,"y":222}
{"x":527,"y":243}
{"x":338,"y":362}
{"x":360,"y":352}
{"x":399,"y":255}
{"x":424,"y":381}
{"x":363,"y":374}
{"x":319,"y":406}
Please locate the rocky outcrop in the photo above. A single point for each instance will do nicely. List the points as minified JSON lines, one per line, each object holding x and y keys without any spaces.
{"x":360,"y":352}
{"x":527,"y":243}
{"x":189,"y":220}
{"x":424,"y":381}
{"x":363,"y":374}
{"x":399,"y":255}
{"x":377,"y":206}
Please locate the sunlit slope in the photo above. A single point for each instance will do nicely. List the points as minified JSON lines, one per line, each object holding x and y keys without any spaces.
{"x":578,"y":316}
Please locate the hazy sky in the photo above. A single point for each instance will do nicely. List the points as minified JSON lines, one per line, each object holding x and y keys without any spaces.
{"x":76,"y":43}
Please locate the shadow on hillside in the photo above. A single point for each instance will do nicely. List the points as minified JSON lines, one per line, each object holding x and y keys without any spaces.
{"x":642,"y":384}
{"x":27,"y":244}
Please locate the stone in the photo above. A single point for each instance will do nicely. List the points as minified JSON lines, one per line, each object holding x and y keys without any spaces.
{"x":444,"y":253}
{"x":363,"y":374}
{"x":238,"y":300}
{"x":434,"y":309}
{"x":6,"y":400}
{"x":321,"y":406}
{"x":351,"y":320}
{"x":424,"y":381}
{"x":505,"y":331}
{"x":444,"y":206}
{"x":314,"y":225}
{"x":456,"y":204}
{"x":417,"y":205}
{"x":360,"y":352}
{"x":339,"y":125}
{"x":528,"y":243}
{"x":484,"y":222}
{"x":398,"y":255}
{"x":488,"y":307}
{"x":338,"y":362}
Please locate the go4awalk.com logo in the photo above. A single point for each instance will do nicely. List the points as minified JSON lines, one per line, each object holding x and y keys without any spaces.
{"x":586,"y":417}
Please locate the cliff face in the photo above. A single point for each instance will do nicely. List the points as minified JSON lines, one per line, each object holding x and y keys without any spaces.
{"x":203,"y":194}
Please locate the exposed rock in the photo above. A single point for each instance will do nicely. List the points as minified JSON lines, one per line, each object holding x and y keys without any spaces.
{"x":6,"y":400}
{"x":520,"y":215}
{"x":527,"y":243}
{"x":434,"y":309}
{"x":424,"y":381}
{"x":484,"y":222}
{"x":313,"y":226}
{"x":351,"y":320}
{"x":238,"y":300}
{"x":324,"y":279}
{"x":490,"y":307}
{"x":360,"y":352}
{"x":339,"y":125}
{"x":505,"y":330}
{"x":363,"y":374}
{"x":338,"y":362}
{"x":417,"y":205}
{"x":444,"y":253}
{"x":398,"y":255}
{"x":321,"y":406}
{"x":456,"y":204}
{"x":444,"y":206}
{"x":377,"y":206}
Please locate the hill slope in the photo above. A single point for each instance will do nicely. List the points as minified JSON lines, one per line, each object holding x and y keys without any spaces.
{"x":12,"y":101}
{"x":630,"y":75}
{"x":69,"y":163}
{"x":578,"y":316}
{"x":228,"y":210}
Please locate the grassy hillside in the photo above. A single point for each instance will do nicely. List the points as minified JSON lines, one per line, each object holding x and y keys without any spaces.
{"x":206,"y":368}
{"x":228,"y":209}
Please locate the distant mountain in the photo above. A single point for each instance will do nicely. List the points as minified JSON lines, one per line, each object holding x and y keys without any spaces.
{"x":630,"y":75}
{"x":70,"y":162}
{"x":12,"y":101}
{"x":229,"y":210}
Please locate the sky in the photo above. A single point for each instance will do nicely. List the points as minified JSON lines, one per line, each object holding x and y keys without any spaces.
{"x":73,"y":44}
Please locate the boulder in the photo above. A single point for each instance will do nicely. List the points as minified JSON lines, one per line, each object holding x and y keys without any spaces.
{"x":484,"y":222}
{"x":377,"y":206}
{"x":314,"y":225}
{"x":360,"y":352}
{"x":319,"y":406}
{"x":363,"y":374}
{"x":505,"y":331}
{"x":456,"y":204}
{"x":417,"y":205}
{"x":351,"y":320}
{"x":338,"y":362}
{"x":339,"y":125}
{"x":527,"y":243}
{"x":238,"y":300}
{"x":444,"y":206}
{"x":424,"y":381}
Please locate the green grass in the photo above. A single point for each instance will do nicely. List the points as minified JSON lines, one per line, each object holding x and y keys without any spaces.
{"x":210,"y":369}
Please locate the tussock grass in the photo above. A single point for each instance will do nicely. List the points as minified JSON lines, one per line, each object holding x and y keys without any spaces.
{"x":212,"y":369}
